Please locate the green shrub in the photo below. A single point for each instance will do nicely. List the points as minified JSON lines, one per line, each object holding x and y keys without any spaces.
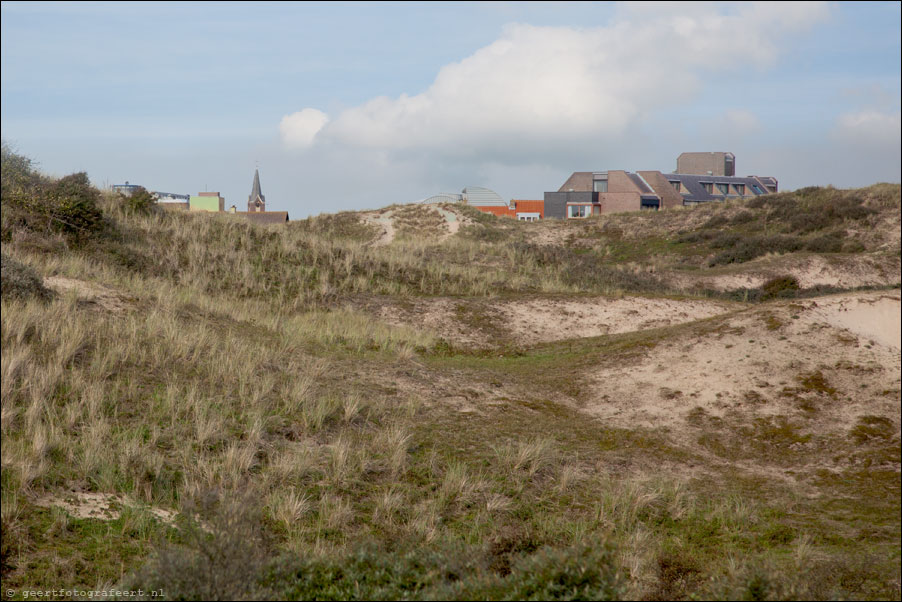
{"x":18,"y":172}
{"x":67,"y":206}
{"x":571,"y":574}
{"x":743,"y":217}
{"x":20,"y":281}
{"x":139,"y":202}
{"x":781,"y":286}
{"x":447,"y":572}
{"x":748,"y":248}
{"x":828,"y":243}
{"x":221,"y":555}
{"x":716,"y":221}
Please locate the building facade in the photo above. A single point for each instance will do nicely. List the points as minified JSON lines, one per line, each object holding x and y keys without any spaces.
{"x":588,"y":193}
{"x":707,"y":164}
{"x":207,"y":201}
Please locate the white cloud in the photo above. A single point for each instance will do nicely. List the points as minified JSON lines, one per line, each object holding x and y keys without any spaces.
{"x":299,"y":130}
{"x":537,"y":90}
{"x":740,"y":121}
{"x":871,"y":128}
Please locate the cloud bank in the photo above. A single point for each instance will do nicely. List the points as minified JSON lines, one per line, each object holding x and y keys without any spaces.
{"x":537,"y":90}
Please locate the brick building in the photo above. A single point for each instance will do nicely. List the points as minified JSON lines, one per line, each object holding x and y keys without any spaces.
{"x":588,"y":193}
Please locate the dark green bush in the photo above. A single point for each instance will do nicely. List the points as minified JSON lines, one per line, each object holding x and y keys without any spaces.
{"x":20,"y":281}
{"x":716,"y":221}
{"x":748,"y":248}
{"x":449,"y":572}
{"x":803,"y":223}
{"x":696,"y":236}
{"x":781,"y":286}
{"x":743,"y":217}
{"x":139,"y":202}
{"x":221,"y":554}
{"x":725,"y":240}
{"x":828,"y":243}
{"x":18,"y":172}
{"x":67,"y":206}
{"x":571,"y":574}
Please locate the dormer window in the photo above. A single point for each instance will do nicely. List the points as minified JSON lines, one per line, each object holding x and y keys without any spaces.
{"x":708,"y":186}
{"x":676,"y":185}
{"x":723,"y":188}
{"x":740,"y":189}
{"x":600,"y":182}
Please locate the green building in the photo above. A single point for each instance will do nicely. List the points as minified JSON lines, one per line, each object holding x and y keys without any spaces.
{"x":206,"y":201}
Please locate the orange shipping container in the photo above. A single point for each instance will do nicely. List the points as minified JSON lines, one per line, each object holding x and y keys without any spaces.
{"x":530,"y":207}
{"x":496,"y":210}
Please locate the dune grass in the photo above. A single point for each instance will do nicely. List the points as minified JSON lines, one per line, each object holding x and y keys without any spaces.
{"x":300,"y":440}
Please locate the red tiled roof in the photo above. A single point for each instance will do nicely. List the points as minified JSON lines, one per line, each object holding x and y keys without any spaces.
{"x":265,"y":217}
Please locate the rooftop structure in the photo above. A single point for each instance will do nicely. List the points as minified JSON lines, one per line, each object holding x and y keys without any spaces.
{"x":471,"y":195}
{"x":587,"y":193}
{"x":707,"y":164}
{"x":256,"y":201}
{"x":126,"y":189}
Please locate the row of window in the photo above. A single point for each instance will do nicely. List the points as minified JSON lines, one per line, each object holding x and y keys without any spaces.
{"x":720,"y":188}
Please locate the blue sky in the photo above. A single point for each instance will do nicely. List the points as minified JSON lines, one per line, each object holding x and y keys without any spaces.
{"x":354,"y":106}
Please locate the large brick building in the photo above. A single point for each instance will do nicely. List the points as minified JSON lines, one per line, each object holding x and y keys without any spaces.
{"x":707,"y":164}
{"x":700,"y":178}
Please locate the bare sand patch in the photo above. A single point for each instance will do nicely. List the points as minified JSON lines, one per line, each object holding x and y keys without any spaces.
{"x":847,"y":271}
{"x":876,"y":317}
{"x":383,"y":221}
{"x":756,"y":364}
{"x":102,"y":506}
{"x":533,"y":320}
{"x":90,"y":292}
{"x":454,"y":220}
{"x":545,"y":320}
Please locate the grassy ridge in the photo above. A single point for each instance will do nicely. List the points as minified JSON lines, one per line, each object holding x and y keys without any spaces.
{"x":303,"y":445}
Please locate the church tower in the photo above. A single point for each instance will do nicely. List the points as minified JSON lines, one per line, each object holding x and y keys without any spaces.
{"x":256,"y":201}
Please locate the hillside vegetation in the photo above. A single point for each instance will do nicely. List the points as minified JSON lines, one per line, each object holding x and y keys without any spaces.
{"x":376,"y":406}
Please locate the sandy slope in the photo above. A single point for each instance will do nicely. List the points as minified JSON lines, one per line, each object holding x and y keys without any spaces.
{"x":384,"y":220}
{"x":841,"y":271}
{"x":755,"y":364}
{"x":529,"y":321}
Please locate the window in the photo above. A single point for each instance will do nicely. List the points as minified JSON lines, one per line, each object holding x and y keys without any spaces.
{"x":757,"y":189}
{"x":600,"y":185}
{"x":577,"y":211}
{"x":676,"y":185}
{"x":724,"y":189}
{"x":740,"y":188}
{"x":708,"y":186}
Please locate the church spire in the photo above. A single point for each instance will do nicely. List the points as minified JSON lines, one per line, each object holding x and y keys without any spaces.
{"x":256,"y":201}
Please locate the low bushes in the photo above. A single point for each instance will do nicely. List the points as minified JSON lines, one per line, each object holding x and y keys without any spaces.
{"x":19,"y":281}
